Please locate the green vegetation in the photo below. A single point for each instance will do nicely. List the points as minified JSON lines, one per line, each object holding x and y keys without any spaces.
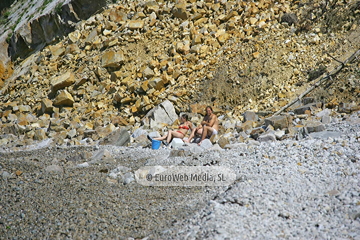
{"x":45,"y":4}
{"x":30,"y":16}
{"x":17,"y":21}
{"x":58,"y":8}
{"x":8,"y":38}
{"x":6,"y":14}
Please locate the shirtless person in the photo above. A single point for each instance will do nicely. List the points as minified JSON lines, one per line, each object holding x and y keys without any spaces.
{"x":208,"y":127}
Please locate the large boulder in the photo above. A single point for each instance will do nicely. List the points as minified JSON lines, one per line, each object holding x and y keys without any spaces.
{"x":120,"y":137}
{"x":303,"y":109}
{"x":162,"y":114}
{"x":250,"y":116}
{"x":64,"y":98}
{"x":112,"y":59}
{"x":62,"y":81}
{"x":279,"y":122}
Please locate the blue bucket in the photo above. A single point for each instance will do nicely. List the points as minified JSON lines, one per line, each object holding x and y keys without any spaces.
{"x":155,"y":144}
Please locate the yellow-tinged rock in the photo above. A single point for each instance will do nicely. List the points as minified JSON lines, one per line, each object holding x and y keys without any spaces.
{"x":113,"y":42}
{"x":145,"y":85}
{"x":117,"y":15}
{"x":282,"y":103}
{"x":176,"y":73}
{"x":183,"y":47}
{"x":281,"y":95}
{"x":131,"y":120}
{"x":151,"y":6}
{"x":230,"y":15}
{"x":74,"y":36}
{"x":132,"y":86}
{"x":138,"y":103}
{"x":147,"y":108}
{"x":22,"y":120}
{"x":140,"y":15}
{"x":116,"y":75}
{"x":24,"y":108}
{"x":262,"y":24}
{"x":100,"y":105}
{"x":252,"y":21}
{"x":198,"y":108}
{"x":197,"y":39}
{"x":46,"y":106}
{"x":254,"y":10}
{"x":156,"y":83}
{"x":256,"y":54}
{"x":40,"y":134}
{"x":112,"y":59}
{"x":98,"y":42}
{"x":172,"y":99}
{"x":200,"y":21}
{"x":134,"y":109}
{"x":117,"y":97}
{"x":199,"y":66}
{"x":98,"y":114}
{"x":180,"y":11}
{"x":148,"y":73}
{"x":146,"y":100}
{"x":64,"y":98}
{"x":126,"y":100}
{"x":62,"y":81}
{"x":214,"y":7}
{"x":136,"y":24}
{"x":152,"y":21}
{"x":196,"y":16}
{"x":6,"y":113}
{"x":289,"y":94}
{"x":89,"y":125}
{"x":72,"y":48}
{"x":163,"y":63}
{"x":156,"y":93}
{"x":231,"y":26}
{"x":57,"y":50}
{"x":212,"y":42}
{"x":92,"y":35}
{"x":126,"y":81}
{"x":166,"y":78}
{"x":118,"y":120}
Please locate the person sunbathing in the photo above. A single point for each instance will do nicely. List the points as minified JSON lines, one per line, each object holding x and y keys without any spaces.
{"x":208,"y":127}
{"x":184,"y":126}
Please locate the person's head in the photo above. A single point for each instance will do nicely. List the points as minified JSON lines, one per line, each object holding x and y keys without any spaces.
{"x":184,"y":117}
{"x":208,"y":110}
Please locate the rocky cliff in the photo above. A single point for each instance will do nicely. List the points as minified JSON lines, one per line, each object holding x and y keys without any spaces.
{"x":115,"y":66}
{"x":30,"y":26}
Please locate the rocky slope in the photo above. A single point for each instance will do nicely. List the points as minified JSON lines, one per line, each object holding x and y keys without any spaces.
{"x":131,"y":69}
{"x":122,"y":62}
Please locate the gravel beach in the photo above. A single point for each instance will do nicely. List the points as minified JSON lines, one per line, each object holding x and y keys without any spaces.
{"x":290,"y":189}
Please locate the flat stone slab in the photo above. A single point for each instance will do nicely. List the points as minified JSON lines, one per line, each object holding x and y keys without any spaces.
{"x":325,"y":134}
